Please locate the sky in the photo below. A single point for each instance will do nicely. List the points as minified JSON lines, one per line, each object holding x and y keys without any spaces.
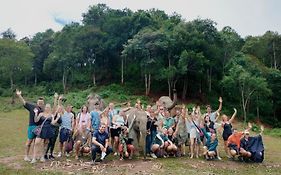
{"x":247,"y":17}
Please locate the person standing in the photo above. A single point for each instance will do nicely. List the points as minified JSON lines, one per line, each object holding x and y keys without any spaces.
{"x":32,"y":124}
{"x":67,"y":127}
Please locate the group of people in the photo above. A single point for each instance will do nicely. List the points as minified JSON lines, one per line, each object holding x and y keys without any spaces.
{"x":107,"y":131}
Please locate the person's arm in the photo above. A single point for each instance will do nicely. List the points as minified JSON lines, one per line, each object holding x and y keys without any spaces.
{"x":55,"y":102}
{"x":37,"y":116}
{"x":205,"y":133}
{"x":177,"y":130}
{"x":19,"y":94}
{"x":89,"y":122}
{"x":217,"y":116}
{"x":95,"y":142}
{"x":54,"y":121}
{"x":220,"y":105}
{"x":233,"y":116}
{"x":262,"y":129}
{"x":249,"y":127}
{"x":72,"y":121}
{"x":162,"y":141}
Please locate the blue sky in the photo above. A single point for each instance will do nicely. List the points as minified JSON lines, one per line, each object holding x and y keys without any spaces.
{"x":247,"y":17}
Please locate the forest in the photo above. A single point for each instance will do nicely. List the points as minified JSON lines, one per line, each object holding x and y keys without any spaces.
{"x":152,"y":51}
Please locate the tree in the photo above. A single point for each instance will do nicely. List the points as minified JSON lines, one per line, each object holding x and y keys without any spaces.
{"x":41,"y":46}
{"x":248,"y":84}
{"x":64,"y":57}
{"x":148,"y":47}
{"x":16,"y":59}
{"x":9,"y":34}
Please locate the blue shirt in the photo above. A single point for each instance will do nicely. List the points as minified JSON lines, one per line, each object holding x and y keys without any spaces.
{"x":95,"y":119}
{"x":101,"y":137}
{"x":66,"y":120}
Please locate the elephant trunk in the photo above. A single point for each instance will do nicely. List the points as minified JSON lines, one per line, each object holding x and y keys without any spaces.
{"x":174,"y":100}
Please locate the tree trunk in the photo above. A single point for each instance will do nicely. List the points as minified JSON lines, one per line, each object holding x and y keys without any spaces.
{"x":94,"y":78}
{"x":64,"y":81}
{"x":169,"y":87}
{"x":184,"y":89}
{"x":122,"y":70}
{"x":146,"y":84}
{"x":11,"y":81}
{"x":210,"y":79}
{"x":35,"y":79}
{"x":274,"y":55}
{"x":244,"y":105}
{"x":147,"y":81}
{"x":25,"y":81}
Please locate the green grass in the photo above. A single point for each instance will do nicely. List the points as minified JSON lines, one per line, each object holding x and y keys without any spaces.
{"x":13,"y":136}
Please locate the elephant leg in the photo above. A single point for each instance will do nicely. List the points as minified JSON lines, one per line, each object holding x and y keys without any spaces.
{"x":133,"y":135}
{"x":144,"y":147}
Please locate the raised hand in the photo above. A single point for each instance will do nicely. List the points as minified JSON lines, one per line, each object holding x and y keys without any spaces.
{"x":60,"y":97}
{"x":262,"y":128}
{"x":56,"y":95}
{"x":250,"y":125}
{"x":235,"y":110}
{"x":35,"y":110}
{"x":18,"y":92}
{"x":220,"y":99}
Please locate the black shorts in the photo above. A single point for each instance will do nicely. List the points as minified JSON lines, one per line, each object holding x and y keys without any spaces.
{"x":233,"y":147}
{"x":225,"y":136}
{"x":115,"y":132}
{"x":64,"y":135}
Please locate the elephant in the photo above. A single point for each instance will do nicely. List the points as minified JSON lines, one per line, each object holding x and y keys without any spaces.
{"x":94,"y":101}
{"x":137,"y":120}
{"x":168,"y":103}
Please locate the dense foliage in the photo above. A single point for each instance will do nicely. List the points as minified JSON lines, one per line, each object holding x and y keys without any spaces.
{"x":154,"y":51}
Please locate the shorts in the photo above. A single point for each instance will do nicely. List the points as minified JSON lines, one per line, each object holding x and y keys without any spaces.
{"x":30,"y":134}
{"x":64,"y":134}
{"x":233,"y":147}
{"x":115,"y":132}
{"x":225,"y":136}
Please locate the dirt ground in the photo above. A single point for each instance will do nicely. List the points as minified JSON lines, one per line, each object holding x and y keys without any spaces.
{"x":138,"y":166}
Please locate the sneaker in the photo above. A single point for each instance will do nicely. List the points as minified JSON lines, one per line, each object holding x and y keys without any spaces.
{"x":59,"y":154}
{"x":240,"y":158}
{"x":115,"y":154}
{"x":219,"y":158}
{"x":103,"y":154}
{"x":67,"y":154}
{"x":153,"y":155}
{"x":46,"y":157}
{"x":33,"y":161}
{"x":51,"y":157}
{"x":42,"y":159}
{"x":27,"y":159}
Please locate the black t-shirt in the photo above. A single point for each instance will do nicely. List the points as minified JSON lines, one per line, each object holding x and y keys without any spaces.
{"x":244,"y":143}
{"x":101,"y":137}
{"x":30,"y":107}
{"x":150,"y":125}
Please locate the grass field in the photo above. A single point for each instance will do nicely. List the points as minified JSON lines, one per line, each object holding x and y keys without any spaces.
{"x":13,"y":136}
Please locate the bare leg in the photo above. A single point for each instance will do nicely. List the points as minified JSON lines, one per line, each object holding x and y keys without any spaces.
{"x":37,"y":147}
{"x":27,"y":148}
{"x":77,"y":149}
{"x":191,"y":147}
